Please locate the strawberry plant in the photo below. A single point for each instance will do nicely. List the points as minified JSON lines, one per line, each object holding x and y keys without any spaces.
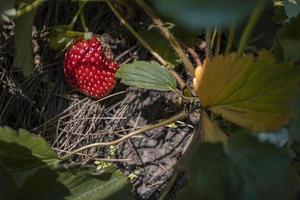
{"x":239,"y":95}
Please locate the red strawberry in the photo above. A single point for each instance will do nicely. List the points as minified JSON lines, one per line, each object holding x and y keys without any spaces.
{"x":88,"y":69}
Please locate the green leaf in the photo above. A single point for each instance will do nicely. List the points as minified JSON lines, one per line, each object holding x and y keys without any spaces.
{"x":7,"y":184}
{"x":147,"y":76}
{"x":161,"y":46}
{"x":35,"y":167}
{"x":61,"y":37}
{"x":292,"y":7}
{"x":252,"y":92}
{"x":240,"y":169}
{"x":287,"y":41}
{"x":23,"y":57}
{"x":24,"y":153}
{"x":212,"y":133}
{"x":76,"y":183}
{"x":198,"y":14}
{"x":6,"y":10}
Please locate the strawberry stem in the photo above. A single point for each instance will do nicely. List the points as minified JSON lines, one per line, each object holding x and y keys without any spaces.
{"x":88,"y":36}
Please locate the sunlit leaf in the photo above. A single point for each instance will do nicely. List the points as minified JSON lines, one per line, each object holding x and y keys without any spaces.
{"x":240,"y":169}
{"x":147,"y":76}
{"x":212,"y":133}
{"x":252,"y":92}
{"x":23,"y":57}
{"x":198,"y":14}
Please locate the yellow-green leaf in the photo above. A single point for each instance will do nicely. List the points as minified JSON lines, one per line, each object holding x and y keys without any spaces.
{"x":212,"y":133}
{"x":252,"y":92}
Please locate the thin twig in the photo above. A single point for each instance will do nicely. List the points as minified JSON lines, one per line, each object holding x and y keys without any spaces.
{"x":230,"y":40}
{"x":180,"y":81}
{"x":169,"y":36}
{"x":142,"y":130}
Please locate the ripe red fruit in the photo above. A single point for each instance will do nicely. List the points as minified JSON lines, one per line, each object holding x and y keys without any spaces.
{"x":88,"y":69}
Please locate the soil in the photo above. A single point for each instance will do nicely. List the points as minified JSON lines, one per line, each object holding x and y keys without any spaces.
{"x":44,"y":104}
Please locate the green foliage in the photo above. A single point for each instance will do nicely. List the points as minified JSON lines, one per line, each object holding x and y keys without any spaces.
{"x":199,"y":14}
{"x":7,"y":183}
{"x":287,"y":41}
{"x":243,"y":169}
{"x":23,"y":154}
{"x":61,"y":37}
{"x":23,"y":57}
{"x":6,"y":10}
{"x":29,"y":168}
{"x":75,"y":183}
{"x":161,"y":46}
{"x":147,"y":76}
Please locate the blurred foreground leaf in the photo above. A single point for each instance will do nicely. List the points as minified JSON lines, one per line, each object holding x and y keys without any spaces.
{"x":199,"y":14}
{"x":76,"y":183}
{"x":31,"y":164}
{"x":7,"y":184}
{"x":287,"y":41}
{"x":24,"y":153}
{"x":240,"y":169}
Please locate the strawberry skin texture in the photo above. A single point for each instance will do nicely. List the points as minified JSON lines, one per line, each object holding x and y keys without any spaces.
{"x":88,"y":69}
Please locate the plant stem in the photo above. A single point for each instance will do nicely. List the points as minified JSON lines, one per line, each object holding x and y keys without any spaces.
{"x":135,"y":34}
{"x":208,"y":42}
{"x":83,"y":23}
{"x":249,"y":28}
{"x":28,"y":8}
{"x":218,"y":45}
{"x":142,"y":130}
{"x":180,"y":81}
{"x":169,"y":36}
{"x":213,"y":38}
{"x":230,"y":40}
{"x":81,"y":6}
